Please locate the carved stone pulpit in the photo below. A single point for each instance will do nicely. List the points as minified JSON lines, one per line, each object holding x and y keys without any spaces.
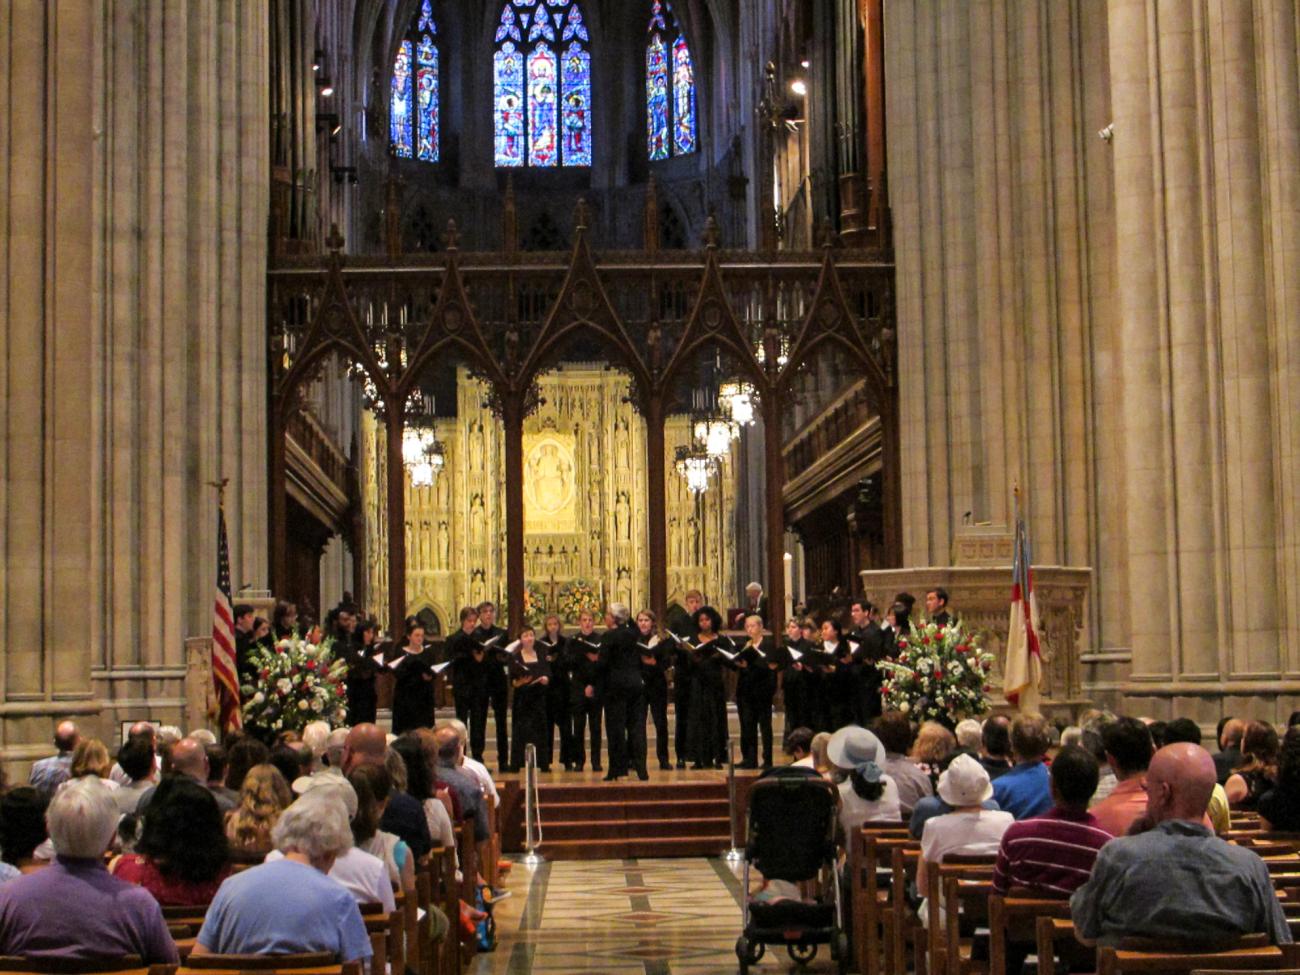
{"x":981,"y":597}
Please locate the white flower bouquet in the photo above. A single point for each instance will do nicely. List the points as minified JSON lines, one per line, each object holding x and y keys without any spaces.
{"x":292,"y":684}
{"x":941,"y":673}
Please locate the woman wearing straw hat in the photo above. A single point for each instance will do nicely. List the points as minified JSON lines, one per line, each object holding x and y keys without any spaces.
{"x":867,"y":794}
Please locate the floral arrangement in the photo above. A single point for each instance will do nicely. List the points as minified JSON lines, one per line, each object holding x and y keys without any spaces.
{"x":535,"y":608}
{"x":575,"y":597}
{"x":941,"y":673}
{"x":293,"y":683}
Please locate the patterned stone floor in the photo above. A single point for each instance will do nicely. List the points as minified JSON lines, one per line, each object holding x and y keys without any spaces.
{"x":625,"y":917}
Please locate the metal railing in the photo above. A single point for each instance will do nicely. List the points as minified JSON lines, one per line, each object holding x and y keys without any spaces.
{"x":532,"y":808}
{"x":735,"y":852}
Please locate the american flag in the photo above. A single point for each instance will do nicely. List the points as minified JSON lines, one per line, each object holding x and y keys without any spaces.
{"x":225,"y":673}
{"x":1024,"y":662}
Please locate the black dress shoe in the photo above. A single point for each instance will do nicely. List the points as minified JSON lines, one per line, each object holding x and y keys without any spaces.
{"x":699,"y":767}
{"x":668,"y":766}
{"x":579,"y":767}
{"x":610,"y":777}
{"x":643,"y":775}
{"x":680,"y":763}
{"x":596,"y":767}
{"x":748,"y":765}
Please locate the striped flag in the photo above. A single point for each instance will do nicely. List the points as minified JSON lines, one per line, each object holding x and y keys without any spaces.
{"x":1023,"y":670}
{"x":225,"y":673}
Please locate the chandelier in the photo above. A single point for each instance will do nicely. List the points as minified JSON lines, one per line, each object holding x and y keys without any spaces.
{"x":737,"y":398}
{"x":695,"y":466}
{"x":715,"y":431}
{"x":423,"y":456}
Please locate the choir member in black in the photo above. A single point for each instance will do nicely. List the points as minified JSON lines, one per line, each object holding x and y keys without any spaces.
{"x":684,"y":674}
{"x":284,"y":620}
{"x":558,"y":707}
{"x":871,"y":643}
{"x":897,"y":626}
{"x":756,"y":662}
{"x":586,"y":690}
{"x":470,"y":665}
{"x":793,"y":677}
{"x":818,"y":672}
{"x":413,"y":692}
{"x":654,"y":675}
{"x":841,"y":677}
{"x":357,"y":651}
{"x":530,"y":674}
{"x":493,"y":638}
{"x":708,"y":707}
{"x":624,"y":695}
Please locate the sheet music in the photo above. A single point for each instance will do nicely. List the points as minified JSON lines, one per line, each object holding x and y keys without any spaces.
{"x":491,"y":640}
{"x":439,"y":668}
{"x":378,"y":658}
{"x":512,"y":647}
{"x":726,"y":653}
{"x":795,"y":655}
{"x":757,"y":650}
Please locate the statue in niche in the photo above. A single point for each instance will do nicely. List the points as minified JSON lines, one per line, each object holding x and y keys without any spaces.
{"x":693,"y":526}
{"x":550,"y":475}
{"x":443,"y":504}
{"x":622,"y":518}
{"x":624,"y":586}
{"x":444,"y":545}
{"x":622,"y":448}
{"x":476,"y":516}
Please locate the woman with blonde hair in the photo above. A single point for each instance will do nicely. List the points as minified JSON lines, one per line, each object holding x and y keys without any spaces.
{"x":91,"y":758}
{"x":262,"y":798}
{"x":933,"y":744}
{"x":821,"y":761}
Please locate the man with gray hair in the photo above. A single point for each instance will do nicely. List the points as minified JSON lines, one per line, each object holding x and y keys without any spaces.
{"x":474,"y":767}
{"x":109,"y":919}
{"x":50,"y":773}
{"x":290,"y":906}
{"x":625,"y":707}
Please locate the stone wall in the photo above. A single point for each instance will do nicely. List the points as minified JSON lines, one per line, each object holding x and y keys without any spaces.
{"x":133,"y":192}
{"x":1111,"y":324}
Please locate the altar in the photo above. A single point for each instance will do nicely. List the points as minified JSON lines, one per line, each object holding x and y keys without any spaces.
{"x":980,"y":596}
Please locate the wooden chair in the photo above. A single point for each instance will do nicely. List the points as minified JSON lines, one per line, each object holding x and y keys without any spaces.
{"x":257,"y":963}
{"x":962,"y":866}
{"x":965,"y":900}
{"x":1250,"y":955}
{"x":902,"y":927}
{"x":1054,"y":932}
{"x":1013,"y":919}
{"x":345,"y":968}
{"x":71,"y":966}
{"x":870,"y":855}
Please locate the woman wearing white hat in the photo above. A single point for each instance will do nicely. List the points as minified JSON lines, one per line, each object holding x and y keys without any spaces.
{"x":969,"y":828}
{"x":868,"y":794}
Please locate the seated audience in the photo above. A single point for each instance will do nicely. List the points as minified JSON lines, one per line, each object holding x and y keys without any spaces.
{"x":264,"y":796}
{"x":1187,"y":730}
{"x":182,"y":855}
{"x":189,"y":757}
{"x":242,"y":756}
{"x":867,"y":794}
{"x":969,"y":828}
{"x":1257,"y":772}
{"x":136,"y":760}
{"x":251,"y":914}
{"x":933,"y":744}
{"x":420,"y":785}
{"x":216,"y":753}
{"x":75,"y":909}
{"x":443,"y":750}
{"x":969,"y":734}
{"x":1229,"y":757}
{"x":995,"y":746}
{"x":90,"y":758}
{"x":798,"y":745}
{"x":22,"y":830}
{"x":931,"y":806}
{"x":472,"y":765}
{"x":1128,"y":751}
{"x":1053,"y":854}
{"x":50,"y":773}
{"x":1177,"y":881}
{"x":288,"y":760}
{"x":821,"y":764}
{"x":316,"y":737}
{"x":372,"y":786}
{"x":363,"y":874}
{"x":895,"y":734}
{"x":366,"y":745}
{"x":1023,"y":790}
{"x":1279,"y":807}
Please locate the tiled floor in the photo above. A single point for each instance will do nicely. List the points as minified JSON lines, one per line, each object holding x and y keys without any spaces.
{"x":625,"y":917}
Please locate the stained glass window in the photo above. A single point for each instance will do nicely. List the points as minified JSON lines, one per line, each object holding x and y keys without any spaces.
{"x":542,"y":85}
{"x":671,"y":127}
{"x":413,"y":108}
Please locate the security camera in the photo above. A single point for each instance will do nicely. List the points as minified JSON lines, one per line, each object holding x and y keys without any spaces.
{"x":1108,"y":133}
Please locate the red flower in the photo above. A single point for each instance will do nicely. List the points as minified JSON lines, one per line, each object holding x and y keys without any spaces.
{"x":925,"y":640}
{"x":962,"y":648}
{"x":311,"y":665}
{"x":265,"y":673}
{"x":938,"y":675}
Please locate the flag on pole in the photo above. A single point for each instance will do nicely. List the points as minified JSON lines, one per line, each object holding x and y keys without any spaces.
{"x":225,"y":673}
{"x":1023,"y":670}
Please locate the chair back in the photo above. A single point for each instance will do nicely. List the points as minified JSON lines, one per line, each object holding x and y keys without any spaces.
{"x":1013,"y":918}
{"x":258,"y":963}
{"x":71,"y":966}
{"x":1246,"y":954}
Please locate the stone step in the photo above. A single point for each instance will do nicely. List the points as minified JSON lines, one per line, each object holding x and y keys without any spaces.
{"x":620,"y":849}
{"x":634,"y":830}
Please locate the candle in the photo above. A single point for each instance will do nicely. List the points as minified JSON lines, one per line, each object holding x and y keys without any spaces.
{"x":789,"y":584}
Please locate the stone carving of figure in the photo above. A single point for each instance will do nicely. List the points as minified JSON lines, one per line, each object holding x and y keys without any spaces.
{"x":624,"y":450}
{"x":476,"y":519}
{"x":551,"y":477}
{"x":444,"y":546}
{"x":622,"y":528}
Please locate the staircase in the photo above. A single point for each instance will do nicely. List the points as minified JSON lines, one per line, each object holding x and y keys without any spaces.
{"x":680,"y":819}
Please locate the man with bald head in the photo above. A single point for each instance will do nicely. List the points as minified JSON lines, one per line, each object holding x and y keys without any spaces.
{"x":1177,"y":881}
{"x":50,"y":773}
{"x":404,"y":816}
{"x":190,"y":757}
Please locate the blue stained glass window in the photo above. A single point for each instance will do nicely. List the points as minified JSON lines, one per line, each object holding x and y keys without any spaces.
{"x":399,"y":113}
{"x":416,"y":94}
{"x":542,"y":92}
{"x":670,"y":88}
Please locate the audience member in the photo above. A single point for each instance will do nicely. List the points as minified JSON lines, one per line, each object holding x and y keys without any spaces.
{"x":969,"y":828}
{"x":798,"y":745}
{"x":240,"y":757}
{"x":74,"y":909}
{"x":1279,"y":808}
{"x":1053,"y":854}
{"x":90,"y":758}
{"x":366,"y":745}
{"x":216,"y":753}
{"x":995,"y":746}
{"x":363,"y":874}
{"x":189,"y":758}
{"x":251,"y":914}
{"x":895,"y":734}
{"x":316,"y":737}
{"x":372,"y":785}
{"x":140,"y":731}
{"x":472,"y":765}
{"x":933,"y":744}
{"x":443,"y":749}
{"x":1177,"y":881}
{"x":1106,"y":781}
{"x":421,"y":785}
{"x":22,"y":829}
{"x":1024,"y":790}
{"x":1257,"y":772}
{"x":136,"y":760}
{"x":50,"y":773}
{"x":1229,"y":735}
{"x":931,"y":806}
{"x":970,"y":734}
{"x":821,"y":764}
{"x":288,"y":760}
{"x":1187,"y":730}
{"x":867,"y":794}
{"x":1128,"y":750}
{"x":182,"y":855}
{"x":264,"y":796}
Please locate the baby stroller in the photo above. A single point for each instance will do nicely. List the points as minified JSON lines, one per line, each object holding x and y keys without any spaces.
{"x":791,"y":837}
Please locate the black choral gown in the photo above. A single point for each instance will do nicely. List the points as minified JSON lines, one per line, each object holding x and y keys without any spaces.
{"x":708,"y":707}
{"x":528,"y":717}
{"x":413,"y":704}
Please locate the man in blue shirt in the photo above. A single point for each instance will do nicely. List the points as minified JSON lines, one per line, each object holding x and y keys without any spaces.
{"x":50,"y":773}
{"x":1025,"y":791}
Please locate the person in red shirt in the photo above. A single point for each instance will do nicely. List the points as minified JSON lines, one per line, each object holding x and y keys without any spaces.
{"x":1128,"y":749}
{"x":183,"y":855}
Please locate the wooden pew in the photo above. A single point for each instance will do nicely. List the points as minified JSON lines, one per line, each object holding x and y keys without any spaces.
{"x":870,"y":854}
{"x":902,"y":926}
{"x":953,"y":865}
{"x":965,"y":899}
{"x":1013,"y":919}
{"x":1118,"y":961}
